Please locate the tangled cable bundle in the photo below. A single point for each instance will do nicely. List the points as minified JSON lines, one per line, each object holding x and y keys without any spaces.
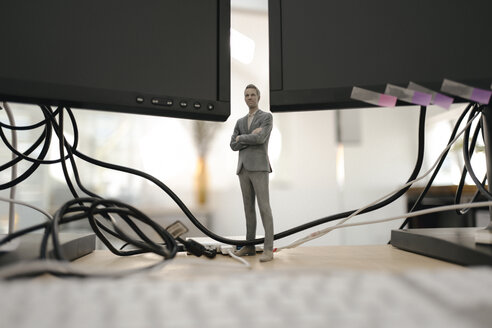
{"x":108,"y":217}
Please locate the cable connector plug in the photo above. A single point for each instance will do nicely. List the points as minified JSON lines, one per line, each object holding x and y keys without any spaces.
{"x":210,"y":253}
{"x":196,"y":248}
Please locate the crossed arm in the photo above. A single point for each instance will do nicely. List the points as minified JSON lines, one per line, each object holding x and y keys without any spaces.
{"x":256,"y":137}
{"x":235,"y":144}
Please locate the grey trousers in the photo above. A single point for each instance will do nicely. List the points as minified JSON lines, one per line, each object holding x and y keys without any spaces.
{"x":255,"y":185}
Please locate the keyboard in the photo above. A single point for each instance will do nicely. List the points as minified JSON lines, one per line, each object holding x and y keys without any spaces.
{"x":445,"y":298}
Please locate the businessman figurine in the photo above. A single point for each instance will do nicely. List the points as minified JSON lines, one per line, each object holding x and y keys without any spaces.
{"x":250,"y":138}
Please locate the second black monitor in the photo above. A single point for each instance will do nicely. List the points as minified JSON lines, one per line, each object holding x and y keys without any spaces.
{"x":320,"y":49}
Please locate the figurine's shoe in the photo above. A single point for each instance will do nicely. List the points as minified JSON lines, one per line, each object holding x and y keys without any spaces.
{"x":246,"y":251}
{"x":266,"y":256}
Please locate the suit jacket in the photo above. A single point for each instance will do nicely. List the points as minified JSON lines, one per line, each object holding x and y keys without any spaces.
{"x":253,"y":148}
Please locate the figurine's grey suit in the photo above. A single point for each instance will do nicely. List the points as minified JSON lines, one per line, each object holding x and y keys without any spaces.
{"x":253,"y":169}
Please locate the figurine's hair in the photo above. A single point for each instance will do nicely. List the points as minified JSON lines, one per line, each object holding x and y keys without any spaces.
{"x":252,"y":86}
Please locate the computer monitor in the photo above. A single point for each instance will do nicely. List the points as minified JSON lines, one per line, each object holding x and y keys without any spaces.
{"x":153,"y":57}
{"x":320,"y":50}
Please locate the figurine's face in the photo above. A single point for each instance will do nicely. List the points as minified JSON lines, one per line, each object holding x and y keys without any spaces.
{"x":251,"y":98}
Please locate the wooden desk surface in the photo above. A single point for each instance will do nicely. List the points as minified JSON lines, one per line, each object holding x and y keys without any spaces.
{"x":362,"y":258}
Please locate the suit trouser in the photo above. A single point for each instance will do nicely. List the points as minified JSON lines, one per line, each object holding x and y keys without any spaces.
{"x":255,"y":185}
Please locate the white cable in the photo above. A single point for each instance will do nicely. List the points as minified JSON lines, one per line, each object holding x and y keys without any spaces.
{"x":418,"y":178}
{"x":14,"y":201}
{"x":320,"y":233}
{"x":238,"y":258}
{"x":402,"y":216}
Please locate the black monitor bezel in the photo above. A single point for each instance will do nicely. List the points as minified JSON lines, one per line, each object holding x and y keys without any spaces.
{"x":73,"y":96}
{"x":282,"y":100}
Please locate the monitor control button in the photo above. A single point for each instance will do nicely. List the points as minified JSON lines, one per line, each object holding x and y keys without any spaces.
{"x":162,"y":102}
{"x":183,"y":104}
{"x":210,"y":106}
{"x":197,"y":105}
{"x":140,"y":100}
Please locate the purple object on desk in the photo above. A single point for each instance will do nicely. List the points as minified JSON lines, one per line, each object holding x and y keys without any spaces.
{"x":443,"y":101}
{"x":481,"y":96}
{"x":421,"y":98}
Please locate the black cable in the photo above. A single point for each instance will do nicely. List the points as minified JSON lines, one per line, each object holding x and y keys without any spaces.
{"x":26,"y":153}
{"x":28,"y":127}
{"x":19,"y":233}
{"x":459,"y":190}
{"x":125,"y":212}
{"x":96,"y":225}
{"x":49,"y":123}
{"x":53,"y":229}
{"x":61,"y":146}
{"x":71,"y":207}
{"x":69,"y":149}
{"x":34,"y":166}
{"x":438,"y":167}
{"x":43,"y":249}
{"x":466,"y":157}
{"x":59,"y":132}
{"x":73,"y":211}
{"x":226,"y":240}
{"x":117,"y":233}
{"x":280,"y":235}
{"x":91,"y":209}
{"x":65,"y":270}
{"x":25,"y":156}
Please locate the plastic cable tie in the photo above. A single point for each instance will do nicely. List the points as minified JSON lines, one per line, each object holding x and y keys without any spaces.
{"x":438,"y":99}
{"x":177,"y":229}
{"x":409,"y":96}
{"x":465,"y":91}
{"x":373,"y":98}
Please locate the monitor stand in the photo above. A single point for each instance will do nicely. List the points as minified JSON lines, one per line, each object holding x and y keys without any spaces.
{"x":74,"y":245}
{"x":465,"y":246}
{"x":455,"y":245}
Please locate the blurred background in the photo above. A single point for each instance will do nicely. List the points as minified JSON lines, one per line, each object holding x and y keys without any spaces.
{"x":324,"y":162}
